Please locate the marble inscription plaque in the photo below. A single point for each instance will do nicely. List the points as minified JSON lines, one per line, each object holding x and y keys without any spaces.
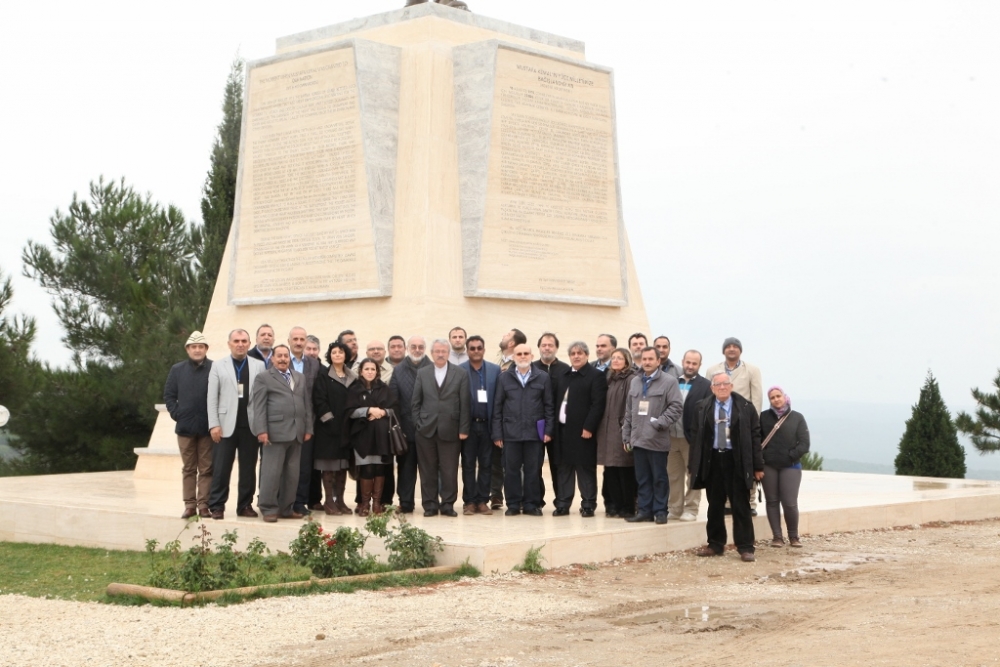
{"x":305,"y":227}
{"x":551,"y":225}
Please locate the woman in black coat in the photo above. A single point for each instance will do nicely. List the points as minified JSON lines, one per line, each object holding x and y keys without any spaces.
{"x":789,"y":440}
{"x":367,"y":403}
{"x":331,"y":442}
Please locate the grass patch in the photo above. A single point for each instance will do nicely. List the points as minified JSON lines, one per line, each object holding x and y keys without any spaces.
{"x":532,"y":563}
{"x":54,"y":571}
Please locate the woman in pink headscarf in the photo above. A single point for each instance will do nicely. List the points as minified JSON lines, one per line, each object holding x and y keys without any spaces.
{"x":785,"y":439}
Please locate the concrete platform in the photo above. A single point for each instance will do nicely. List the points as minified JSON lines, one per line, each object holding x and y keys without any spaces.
{"x":118,"y":510}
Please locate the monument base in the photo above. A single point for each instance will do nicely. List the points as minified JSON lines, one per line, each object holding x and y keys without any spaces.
{"x":117,"y":510}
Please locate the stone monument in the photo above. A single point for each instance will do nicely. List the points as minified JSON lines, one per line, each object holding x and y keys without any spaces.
{"x":422,"y":169}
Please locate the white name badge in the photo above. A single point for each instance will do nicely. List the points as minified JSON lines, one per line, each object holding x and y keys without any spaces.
{"x":643,"y":408}
{"x":239,"y":390}
{"x":482,"y":395}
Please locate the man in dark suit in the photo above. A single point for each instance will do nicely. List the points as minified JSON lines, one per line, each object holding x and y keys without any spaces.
{"x":580,"y":395}
{"x":282,"y":421}
{"x":477,"y":450}
{"x":548,"y":346}
{"x":309,"y":491}
{"x":262,"y":351}
{"x":725,"y":460}
{"x":441,"y":414}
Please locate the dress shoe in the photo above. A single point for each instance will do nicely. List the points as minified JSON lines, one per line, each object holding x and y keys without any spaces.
{"x":205,"y":512}
{"x":560,"y":511}
{"x":430,"y":512}
{"x":753,"y":512}
{"x":777,"y":543}
{"x":747,"y":557}
{"x":293,"y":515}
{"x":627,"y":517}
{"x":301,"y":509}
{"x":512,"y":512}
{"x":189,"y":512}
{"x":218,"y":515}
{"x":468,"y":509}
{"x":612,"y":514}
{"x":706,"y":551}
{"x":640,"y":518}
{"x":406,"y":510}
{"x":247,"y":512}
{"x":271,"y":518}
{"x":535,"y":512}
{"x":318,"y":507}
{"x":496,"y":503}
{"x":483,"y":508}
{"x":660,"y":519}
{"x":588,"y":513}
{"x":794,"y":542}
{"x":447,"y":511}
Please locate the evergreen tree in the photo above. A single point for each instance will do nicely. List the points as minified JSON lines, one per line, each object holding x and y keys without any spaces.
{"x":17,"y":368}
{"x":811,"y":461}
{"x":124,"y":274}
{"x":984,"y":427}
{"x":929,"y":446}
{"x":219,"y":194}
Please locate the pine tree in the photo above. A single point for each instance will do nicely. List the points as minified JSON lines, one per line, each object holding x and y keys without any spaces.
{"x":124,"y":276}
{"x":984,"y":427}
{"x":929,"y":446}
{"x":219,"y":194}
{"x":17,"y":368}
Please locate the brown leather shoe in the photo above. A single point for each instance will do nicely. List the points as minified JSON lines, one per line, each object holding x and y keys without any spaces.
{"x":707,"y":551}
{"x":468,"y":509}
{"x":293,"y":515}
{"x":271,"y":518}
{"x":318,"y":507}
{"x":747,"y":557}
{"x":247,"y":512}
{"x":794,"y":542}
{"x":189,"y":512}
{"x":483,"y":508}
{"x":205,"y":512}
{"x":218,"y":515}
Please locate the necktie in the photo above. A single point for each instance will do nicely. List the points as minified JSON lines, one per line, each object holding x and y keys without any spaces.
{"x":720,"y":429}
{"x":288,"y":380}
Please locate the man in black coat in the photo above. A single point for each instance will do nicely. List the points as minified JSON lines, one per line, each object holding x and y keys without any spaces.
{"x":523,"y":402}
{"x":725,"y":460}
{"x":186,"y":396}
{"x":548,"y":346}
{"x":580,"y":395}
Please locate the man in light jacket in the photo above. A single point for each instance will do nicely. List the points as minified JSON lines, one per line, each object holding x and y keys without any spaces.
{"x":652,"y":406}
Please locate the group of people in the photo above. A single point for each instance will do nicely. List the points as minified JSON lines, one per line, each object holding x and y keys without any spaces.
{"x":661,"y":432}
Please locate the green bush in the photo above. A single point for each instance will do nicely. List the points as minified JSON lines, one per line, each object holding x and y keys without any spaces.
{"x":336,"y":554}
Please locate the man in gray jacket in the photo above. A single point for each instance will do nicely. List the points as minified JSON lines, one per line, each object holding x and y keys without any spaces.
{"x":230,"y":383}
{"x":441,"y":416}
{"x":282,"y":420}
{"x":652,"y":406}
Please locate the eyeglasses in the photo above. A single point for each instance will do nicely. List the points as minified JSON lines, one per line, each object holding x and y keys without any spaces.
{"x":475,"y":349}
{"x":722,"y":384}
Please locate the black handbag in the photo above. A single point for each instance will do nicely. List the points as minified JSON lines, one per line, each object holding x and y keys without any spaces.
{"x":397,"y":440}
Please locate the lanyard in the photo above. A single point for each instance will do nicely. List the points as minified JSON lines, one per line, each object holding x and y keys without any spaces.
{"x":479,"y":371}
{"x":646,"y":381}
{"x":239,"y":369}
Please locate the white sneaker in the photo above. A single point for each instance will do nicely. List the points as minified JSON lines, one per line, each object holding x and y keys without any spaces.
{"x":688,"y":516}
{"x":673,"y":517}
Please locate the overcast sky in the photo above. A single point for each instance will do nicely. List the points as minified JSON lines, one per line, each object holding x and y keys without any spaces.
{"x":821,"y":180}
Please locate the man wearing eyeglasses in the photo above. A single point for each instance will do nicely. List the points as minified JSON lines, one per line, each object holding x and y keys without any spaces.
{"x":726,"y":460}
{"x":477,"y":449}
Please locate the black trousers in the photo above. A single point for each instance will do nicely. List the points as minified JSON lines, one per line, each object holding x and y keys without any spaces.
{"x":223,"y":454}
{"x":724,"y":483}
{"x":496,"y":476}
{"x":477,"y":464}
{"x":407,"y":477}
{"x":619,"y":489}
{"x":522,"y":482}
{"x":553,"y":474}
{"x":310,"y":489}
{"x":571,"y":474}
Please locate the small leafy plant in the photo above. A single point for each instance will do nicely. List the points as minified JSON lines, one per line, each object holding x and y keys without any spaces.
{"x":201,"y":568}
{"x":336,"y":554}
{"x":409,"y":547}
{"x":532,"y":563}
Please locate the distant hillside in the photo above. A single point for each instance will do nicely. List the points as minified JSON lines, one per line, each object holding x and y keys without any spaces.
{"x":864,"y":437}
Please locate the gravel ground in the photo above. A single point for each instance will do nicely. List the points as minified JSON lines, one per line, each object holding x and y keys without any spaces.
{"x":922,"y":596}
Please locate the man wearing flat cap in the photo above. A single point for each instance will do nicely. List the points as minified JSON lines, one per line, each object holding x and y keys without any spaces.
{"x":186,"y":396}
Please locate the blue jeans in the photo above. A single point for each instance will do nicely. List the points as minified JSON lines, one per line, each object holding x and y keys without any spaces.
{"x":477,"y":449}
{"x":651,"y":475}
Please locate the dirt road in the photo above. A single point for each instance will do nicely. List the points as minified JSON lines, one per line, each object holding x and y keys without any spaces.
{"x":921,"y":596}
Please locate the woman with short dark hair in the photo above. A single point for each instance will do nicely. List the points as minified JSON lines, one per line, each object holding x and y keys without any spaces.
{"x":332,"y":446}
{"x":618,"y":488}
